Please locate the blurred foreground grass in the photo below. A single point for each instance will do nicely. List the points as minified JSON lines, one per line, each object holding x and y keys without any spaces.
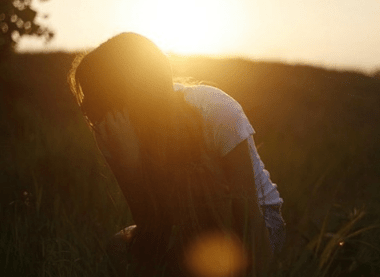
{"x":60,"y":203}
{"x":67,"y":204}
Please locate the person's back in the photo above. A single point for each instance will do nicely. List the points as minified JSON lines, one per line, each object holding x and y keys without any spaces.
{"x":207,"y":206}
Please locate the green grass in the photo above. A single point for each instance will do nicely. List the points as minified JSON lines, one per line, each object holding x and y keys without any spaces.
{"x":60,"y":223}
{"x":60,"y":203}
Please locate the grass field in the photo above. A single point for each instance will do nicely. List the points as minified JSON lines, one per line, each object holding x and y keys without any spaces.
{"x":60,"y":203}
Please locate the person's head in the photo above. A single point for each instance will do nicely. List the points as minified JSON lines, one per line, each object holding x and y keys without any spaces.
{"x":129,"y":71}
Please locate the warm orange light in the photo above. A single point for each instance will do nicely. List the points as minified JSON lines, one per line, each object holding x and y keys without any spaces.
{"x":214,"y":255}
{"x":188,"y":27}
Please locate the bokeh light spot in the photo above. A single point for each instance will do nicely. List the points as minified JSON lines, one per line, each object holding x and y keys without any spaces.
{"x":28,"y":25}
{"x":215,"y":254}
{"x":4,"y":27}
{"x":20,"y":23}
{"x":14,"y":18}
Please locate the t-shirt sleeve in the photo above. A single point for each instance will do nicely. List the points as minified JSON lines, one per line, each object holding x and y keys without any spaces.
{"x":232,"y":130}
{"x":228,"y":124}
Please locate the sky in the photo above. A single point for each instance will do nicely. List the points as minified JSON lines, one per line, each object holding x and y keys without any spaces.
{"x":342,"y":34}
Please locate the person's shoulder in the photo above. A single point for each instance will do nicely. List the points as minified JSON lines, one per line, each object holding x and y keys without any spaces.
{"x":199,"y":88}
{"x":210,"y":91}
{"x":208,"y":95}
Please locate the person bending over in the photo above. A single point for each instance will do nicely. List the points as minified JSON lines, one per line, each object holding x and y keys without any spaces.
{"x":186,"y":162}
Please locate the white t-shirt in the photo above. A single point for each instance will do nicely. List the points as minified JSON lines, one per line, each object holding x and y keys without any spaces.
{"x":225,"y":126}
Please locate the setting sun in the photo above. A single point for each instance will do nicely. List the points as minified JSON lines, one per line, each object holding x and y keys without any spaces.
{"x":186,"y":27}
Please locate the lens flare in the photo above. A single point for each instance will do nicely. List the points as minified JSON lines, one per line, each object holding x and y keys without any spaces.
{"x":215,"y":254}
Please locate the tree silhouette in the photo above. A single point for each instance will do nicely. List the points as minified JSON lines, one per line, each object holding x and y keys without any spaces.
{"x":376,"y":74}
{"x":17,"y":19}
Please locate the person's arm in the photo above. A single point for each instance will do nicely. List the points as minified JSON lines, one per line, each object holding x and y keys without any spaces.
{"x":270,"y":201}
{"x":237,"y":166}
{"x":118,"y":143}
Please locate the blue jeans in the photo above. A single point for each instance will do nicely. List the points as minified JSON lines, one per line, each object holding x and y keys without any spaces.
{"x":276,"y":227}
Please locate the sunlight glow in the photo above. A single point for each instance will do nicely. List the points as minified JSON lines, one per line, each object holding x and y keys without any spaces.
{"x":186,"y":27}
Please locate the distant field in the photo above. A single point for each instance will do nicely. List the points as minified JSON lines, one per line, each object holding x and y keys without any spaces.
{"x":318,"y":131}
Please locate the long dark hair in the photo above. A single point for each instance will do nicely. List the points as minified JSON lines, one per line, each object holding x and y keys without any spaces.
{"x":183,"y":186}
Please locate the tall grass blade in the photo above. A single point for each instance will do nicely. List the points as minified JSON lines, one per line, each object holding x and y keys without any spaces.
{"x":339,"y":236}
